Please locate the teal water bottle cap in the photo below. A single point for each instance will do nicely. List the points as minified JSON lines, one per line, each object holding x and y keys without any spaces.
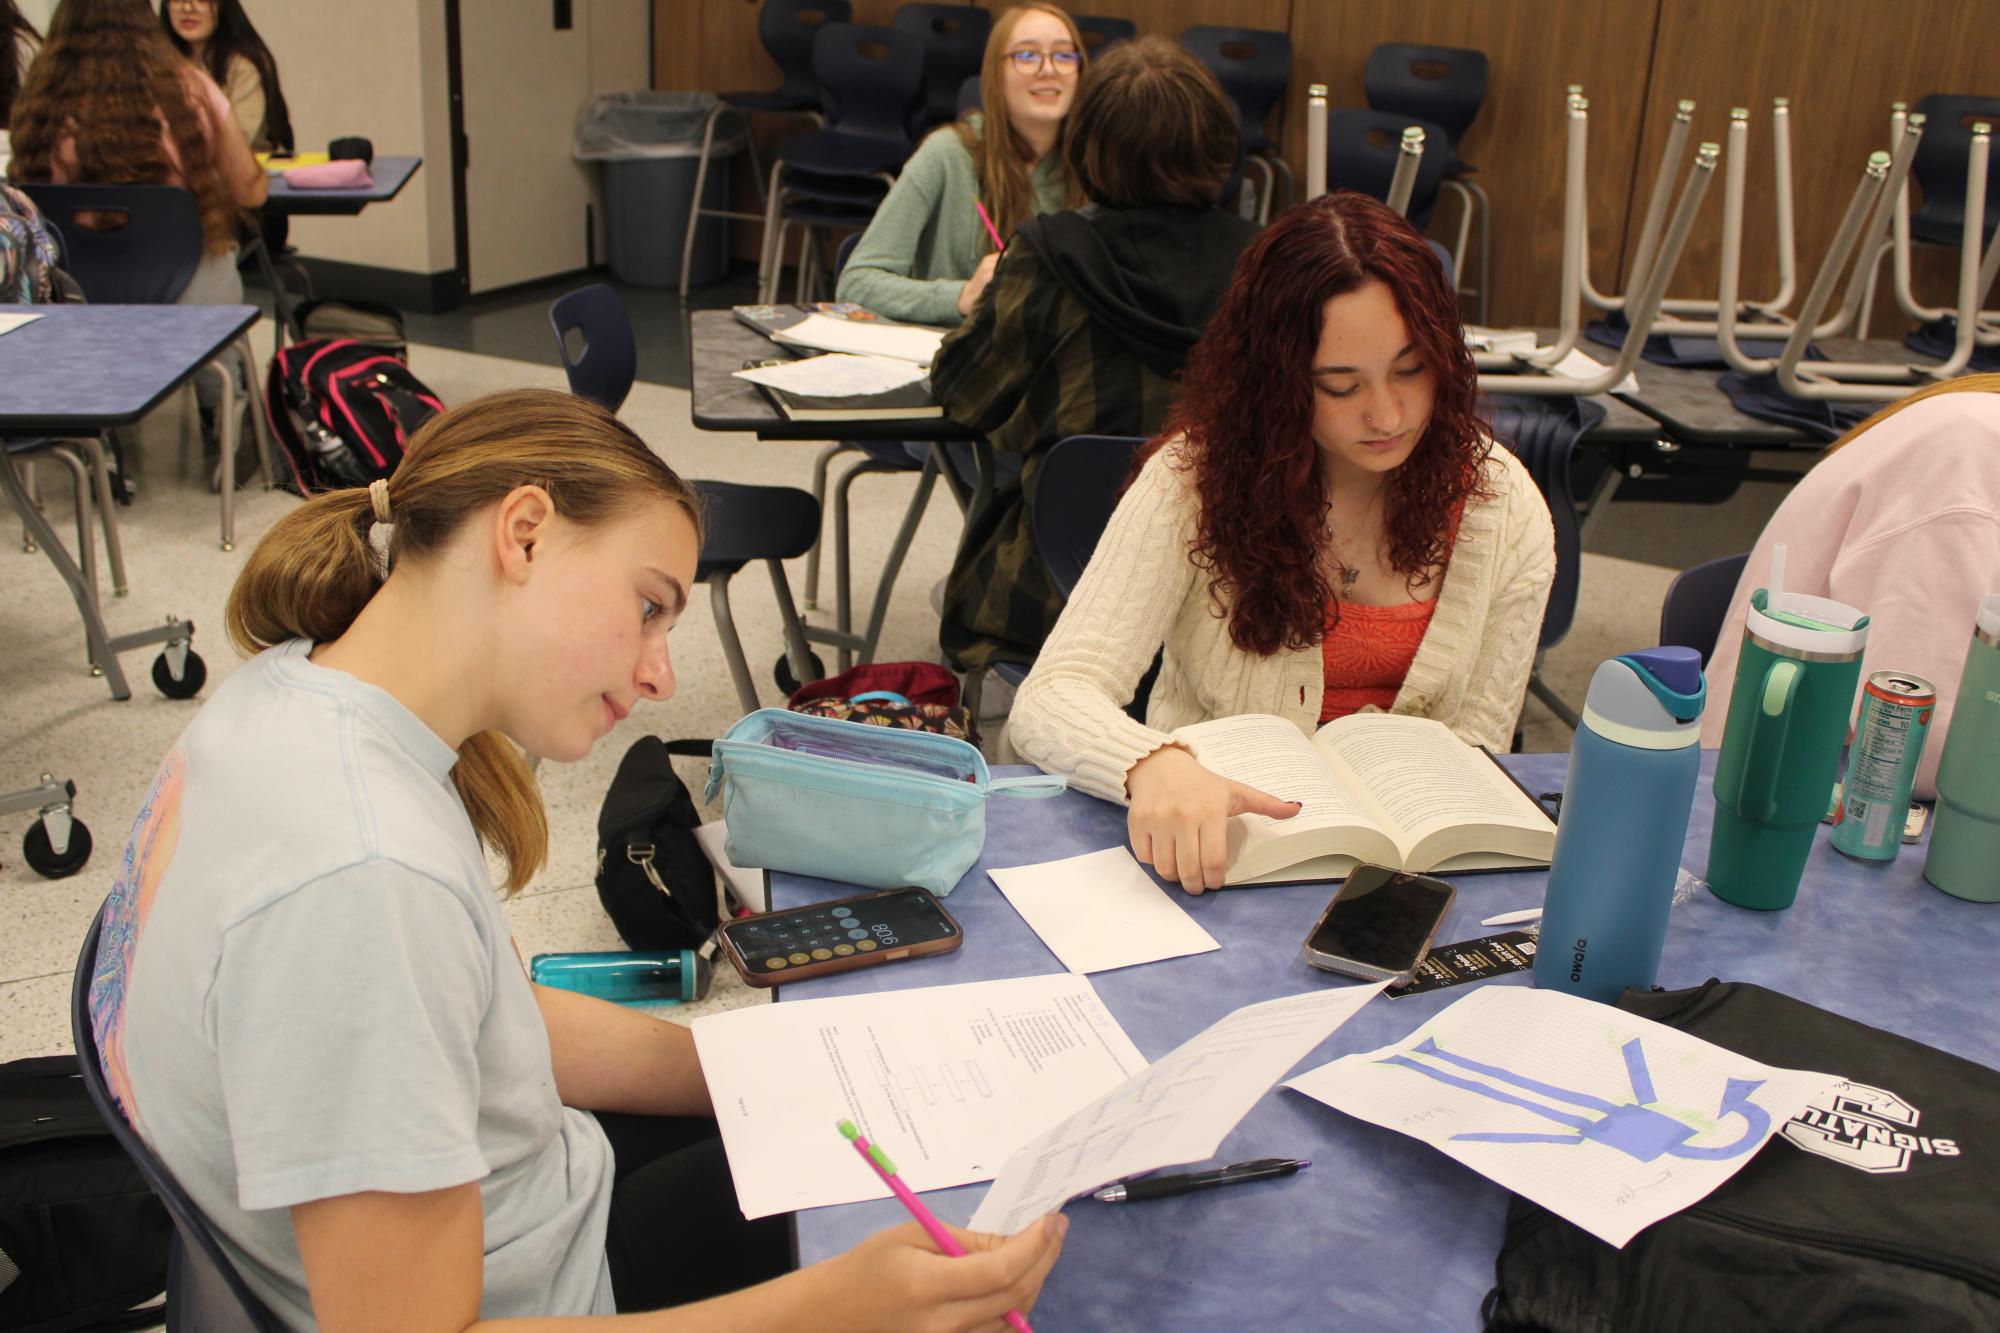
{"x":1650,"y":700}
{"x":1794,"y":624}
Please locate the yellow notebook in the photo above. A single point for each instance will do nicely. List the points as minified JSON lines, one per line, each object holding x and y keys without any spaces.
{"x":269,"y":163}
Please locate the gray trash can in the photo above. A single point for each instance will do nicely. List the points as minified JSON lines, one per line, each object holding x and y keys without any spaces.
{"x":650,"y":145}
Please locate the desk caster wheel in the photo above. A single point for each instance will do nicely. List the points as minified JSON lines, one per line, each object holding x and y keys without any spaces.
{"x":45,"y":860}
{"x":194,"y":674}
{"x":782,"y":673}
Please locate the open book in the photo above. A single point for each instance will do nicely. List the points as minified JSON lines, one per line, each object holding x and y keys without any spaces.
{"x":1396,"y":791}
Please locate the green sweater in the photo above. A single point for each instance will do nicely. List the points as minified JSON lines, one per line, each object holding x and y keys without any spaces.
{"x":926,"y":237}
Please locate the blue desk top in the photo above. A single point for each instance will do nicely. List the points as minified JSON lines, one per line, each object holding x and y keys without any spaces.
{"x":82,"y":368}
{"x":1383,"y":1232}
{"x":391,"y":172}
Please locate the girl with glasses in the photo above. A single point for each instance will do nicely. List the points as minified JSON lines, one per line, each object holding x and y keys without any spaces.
{"x":926,"y":255}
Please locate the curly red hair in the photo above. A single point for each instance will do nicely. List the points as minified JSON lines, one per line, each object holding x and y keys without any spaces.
{"x":1247,"y":408}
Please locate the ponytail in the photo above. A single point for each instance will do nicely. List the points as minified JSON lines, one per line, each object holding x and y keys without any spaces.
{"x":313,"y":572}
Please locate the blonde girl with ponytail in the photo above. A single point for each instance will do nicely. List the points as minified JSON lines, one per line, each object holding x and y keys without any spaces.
{"x":308,"y":1001}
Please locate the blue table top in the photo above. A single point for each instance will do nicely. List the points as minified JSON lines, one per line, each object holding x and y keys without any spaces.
{"x":391,"y":172}
{"x":1383,"y":1227}
{"x":82,"y":368}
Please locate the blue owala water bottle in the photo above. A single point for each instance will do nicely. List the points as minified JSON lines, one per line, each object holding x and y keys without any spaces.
{"x":1632,"y":771}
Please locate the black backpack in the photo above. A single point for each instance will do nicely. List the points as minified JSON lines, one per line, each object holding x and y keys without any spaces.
{"x":652,"y":876}
{"x":82,"y":1238}
{"x":342,"y":412}
{"x":1876,"y":1210}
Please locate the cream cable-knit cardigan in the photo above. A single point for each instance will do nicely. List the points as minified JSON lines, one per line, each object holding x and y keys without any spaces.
{"x":1142,"y":591}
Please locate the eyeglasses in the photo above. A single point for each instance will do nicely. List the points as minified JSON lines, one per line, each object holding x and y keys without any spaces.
{"x":1030,"y":61}
{"x":191,"y":4}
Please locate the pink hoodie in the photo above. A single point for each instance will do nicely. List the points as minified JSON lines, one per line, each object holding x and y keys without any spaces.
{"x":1903,"y":524}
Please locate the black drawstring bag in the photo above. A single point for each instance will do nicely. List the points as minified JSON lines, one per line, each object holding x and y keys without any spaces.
{"x":652,"y":877}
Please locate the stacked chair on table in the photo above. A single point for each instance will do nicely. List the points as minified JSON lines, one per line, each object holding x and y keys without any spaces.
{"x":1253,"y":66}
{"x":1443,"y":86}
{"x":954,"y":38}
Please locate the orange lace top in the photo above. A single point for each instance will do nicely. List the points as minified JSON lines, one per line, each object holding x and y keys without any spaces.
{"x":1368,"y":653}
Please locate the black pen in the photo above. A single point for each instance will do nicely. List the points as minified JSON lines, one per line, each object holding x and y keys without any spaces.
{"x":1162,"y":1187}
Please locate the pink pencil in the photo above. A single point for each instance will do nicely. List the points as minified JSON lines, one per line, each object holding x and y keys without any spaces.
{"x":879,"y":1162}
{"x":991,"y":230}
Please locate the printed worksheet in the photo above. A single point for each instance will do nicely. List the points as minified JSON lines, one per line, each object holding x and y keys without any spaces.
{"x":1179,"y":1110}
{"x":1607,"y":1119}
{"x":949,"y":1080}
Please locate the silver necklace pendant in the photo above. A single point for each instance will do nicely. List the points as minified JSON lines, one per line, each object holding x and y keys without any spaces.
{"x":1348,"y":576}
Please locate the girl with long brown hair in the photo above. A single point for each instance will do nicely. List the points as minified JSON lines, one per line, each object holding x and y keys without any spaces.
{"x":1323,"y":528}
{"x":926,"y":255}
{"x":18,"y":43}
{"x":110,"y":102}
{"x":308,"y":1000}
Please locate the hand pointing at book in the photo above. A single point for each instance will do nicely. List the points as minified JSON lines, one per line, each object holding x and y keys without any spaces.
{"x":1180,"y":813}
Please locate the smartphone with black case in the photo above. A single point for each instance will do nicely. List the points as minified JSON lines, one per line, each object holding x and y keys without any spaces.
{"x":1380,"y":925}
{"x":839,"y":936}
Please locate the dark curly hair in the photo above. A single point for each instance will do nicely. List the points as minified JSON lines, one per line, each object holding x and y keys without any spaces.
{"x":107,"y":77}
{"x":14,"y":31}
{"x":1247,"y":409}
{"x":236,"y":35}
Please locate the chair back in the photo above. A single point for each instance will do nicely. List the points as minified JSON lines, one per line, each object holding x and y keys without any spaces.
{"x":842,"y":251}
{"x":787,"y":28}
{"x":1698,"y":601}
{"x":1939,"y":164}
{"x":954,"y":38}
{"x":1076,"y":492}
{"x":148,"y":260}
{"x":871,"y":79}
{"x":971,"y":97}
{"x":204,"y":1290}
{"x":609,"y":362}
{"x":1444,"y":85}
{"x":1101,"y":34}
{"x":1252,"y":65}
{"x":1361,"y":151}
{"x":1543,"y":435}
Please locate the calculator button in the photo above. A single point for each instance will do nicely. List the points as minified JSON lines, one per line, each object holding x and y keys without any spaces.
{"x":857,"y":934}
{"x":866,"y":946}
{"x":776,"y":964}
{"x":801,"y":958}
{"x":843,"y":949}
{"x":843,"y":911}
{"x":822,"y":954}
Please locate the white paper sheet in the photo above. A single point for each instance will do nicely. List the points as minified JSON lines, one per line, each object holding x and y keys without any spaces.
{"x":905,"y":342}
{"x":836,"y":375}
{"x":948,"y":1079}
{"x":10,"y":322}
{"x":1602,"y":1117}
{"x":1582,"y":365}
{"x":1177,"y":1111}
{"x":1100,"y":911}
{"x":746,"y":885}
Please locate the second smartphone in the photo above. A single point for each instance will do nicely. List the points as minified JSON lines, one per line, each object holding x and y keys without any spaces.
{"x":838,"y":936}
{"x":1380,"y":924}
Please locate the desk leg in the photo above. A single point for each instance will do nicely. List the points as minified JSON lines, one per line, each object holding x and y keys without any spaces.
{"x":86,"y":603}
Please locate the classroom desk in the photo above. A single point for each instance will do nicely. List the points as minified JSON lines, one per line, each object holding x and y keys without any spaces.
{"x":390,"y":173}
{"x":81,"y":370}
{"x":1383,"y":1231}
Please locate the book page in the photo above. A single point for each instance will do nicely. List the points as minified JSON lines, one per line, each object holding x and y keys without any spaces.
{"x":1273,"y":756}
{"x":1422,"y":777}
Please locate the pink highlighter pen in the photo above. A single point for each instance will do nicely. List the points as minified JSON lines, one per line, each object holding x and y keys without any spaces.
{"x":991,"y":230}
{"x":879,"y":1162}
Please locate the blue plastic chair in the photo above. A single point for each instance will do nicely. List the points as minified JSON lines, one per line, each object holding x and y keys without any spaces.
{"x":1361,"y":151}
{"x":741,"y":523}
{"x":1543,"y":434}
{"x":1939,"y":167}
{"x":1253,"y":65}
{"x":205,"y":1293}
{"x":1445,"y":85}
{"x":872,"y":85}
{"x":1697,"y":602}
{"x":1100,"y":34}
{"x":954,"y":38}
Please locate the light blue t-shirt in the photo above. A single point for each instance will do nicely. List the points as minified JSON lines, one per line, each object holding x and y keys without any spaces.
{"x":306,"y":988}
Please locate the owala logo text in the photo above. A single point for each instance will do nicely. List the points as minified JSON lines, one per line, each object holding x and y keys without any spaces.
{"x":1869,"y":1129}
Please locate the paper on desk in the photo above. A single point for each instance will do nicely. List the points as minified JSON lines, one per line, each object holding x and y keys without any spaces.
{"x":948,"y":1079}
{"x":1177,"y":1111}
{"x":1601,"y":1117}
{"x":1512,"y":341}
{"x":1581,"y":365}
{"x":904,"y":342}
{"x":746,"y":885}
{"x":8,"y":323}
{"x":1100,"y":911}
{"x":836,"y":375}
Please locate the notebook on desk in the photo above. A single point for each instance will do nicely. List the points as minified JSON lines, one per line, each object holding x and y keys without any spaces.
{"x":841,"y":397}
{"x":842,"y":327}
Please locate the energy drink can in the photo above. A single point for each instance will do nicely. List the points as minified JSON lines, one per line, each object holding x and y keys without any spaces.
{"x":1882,"y":767}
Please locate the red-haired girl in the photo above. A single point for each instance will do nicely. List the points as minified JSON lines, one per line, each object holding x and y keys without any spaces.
{"x":1324,"y":528}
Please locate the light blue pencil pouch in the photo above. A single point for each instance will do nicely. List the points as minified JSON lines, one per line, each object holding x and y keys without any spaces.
{"x":877,"y":806}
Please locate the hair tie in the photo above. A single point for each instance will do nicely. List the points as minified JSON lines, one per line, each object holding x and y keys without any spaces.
{"x":378,"y":495}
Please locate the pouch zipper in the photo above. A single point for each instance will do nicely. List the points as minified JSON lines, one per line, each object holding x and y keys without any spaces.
{"x":1985,"y":1279}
